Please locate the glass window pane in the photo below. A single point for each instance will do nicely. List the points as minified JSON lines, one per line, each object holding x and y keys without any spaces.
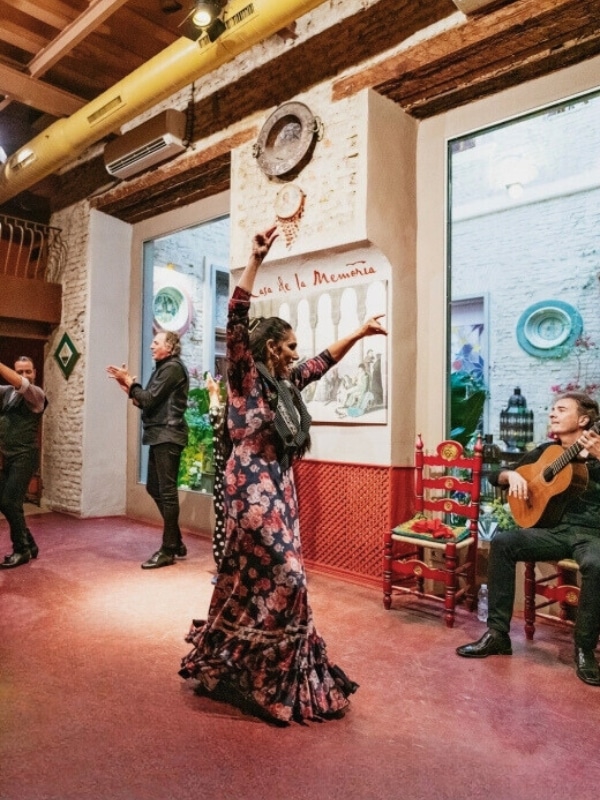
{"x":524,"y":214}
{"x":186,"y":289}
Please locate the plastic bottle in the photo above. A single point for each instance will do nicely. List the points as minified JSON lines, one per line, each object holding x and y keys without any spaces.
{"x":482,"y":603}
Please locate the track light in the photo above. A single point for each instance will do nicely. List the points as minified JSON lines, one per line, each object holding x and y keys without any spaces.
{"x":204,"y":18}
{"x":205,"y":13}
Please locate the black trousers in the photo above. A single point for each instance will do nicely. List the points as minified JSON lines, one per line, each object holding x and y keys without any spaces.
{"x":14,"y":481}
{"x":540,"y":544}
{"x":161,"y":485}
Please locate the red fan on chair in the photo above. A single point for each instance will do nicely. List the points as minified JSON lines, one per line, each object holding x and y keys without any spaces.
{"x":447,"y":486}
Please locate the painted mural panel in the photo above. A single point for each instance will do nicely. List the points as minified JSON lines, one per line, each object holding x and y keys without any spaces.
{"x":323,"y":303}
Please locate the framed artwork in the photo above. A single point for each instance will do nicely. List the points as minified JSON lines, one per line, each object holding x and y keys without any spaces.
{"x":354,"y":391}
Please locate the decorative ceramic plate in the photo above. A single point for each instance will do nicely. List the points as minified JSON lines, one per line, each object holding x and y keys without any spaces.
{"x":285,"y":139}
{"x":549,"y":329}
{"x":172,"y":310}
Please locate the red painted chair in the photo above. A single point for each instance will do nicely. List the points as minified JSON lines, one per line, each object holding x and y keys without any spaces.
{"x":447,"y":486}
{"x":558,"y":587}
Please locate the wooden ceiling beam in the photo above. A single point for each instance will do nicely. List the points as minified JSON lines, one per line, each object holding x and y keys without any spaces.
{"x":38,"y":94}
{"x":87,"y":22}
{"x":446,"y":70}
{"x":21,"y":38}
{"x":59,"y":15}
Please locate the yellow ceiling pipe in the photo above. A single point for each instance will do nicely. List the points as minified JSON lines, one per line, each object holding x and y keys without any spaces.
{"x":248,"y":22}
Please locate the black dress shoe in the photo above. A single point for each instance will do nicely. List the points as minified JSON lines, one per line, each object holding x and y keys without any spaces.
{"x":492,"y":643}
{"x":16,"y":559}
{"x":587,"y":667}
{"x":181,"y":550}
{"x":159,"y":559}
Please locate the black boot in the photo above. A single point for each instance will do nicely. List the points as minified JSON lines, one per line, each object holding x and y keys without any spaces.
{"x":16,"y":559}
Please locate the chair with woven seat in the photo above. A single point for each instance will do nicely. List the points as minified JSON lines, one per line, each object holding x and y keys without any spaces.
{"x":559,"y":586}
{"x":447,"y":487}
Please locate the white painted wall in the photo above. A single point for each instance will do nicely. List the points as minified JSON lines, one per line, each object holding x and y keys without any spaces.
{"x":104,"y":449}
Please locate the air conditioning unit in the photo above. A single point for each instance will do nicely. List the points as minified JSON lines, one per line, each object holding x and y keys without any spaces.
{"x":150,"y":143}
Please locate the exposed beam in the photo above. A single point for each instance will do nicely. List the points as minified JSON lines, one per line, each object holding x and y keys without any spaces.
{"x":75,"y":32}
{"x":456,"y":66}
{"x":57,"y":17}
{"x":20,"y":37}
{"x":38,"y":94}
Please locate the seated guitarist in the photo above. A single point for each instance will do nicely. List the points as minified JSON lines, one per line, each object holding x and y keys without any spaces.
{"x":576,"y":535}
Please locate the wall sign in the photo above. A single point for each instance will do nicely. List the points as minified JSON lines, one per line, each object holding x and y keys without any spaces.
{"x":66,"y":355}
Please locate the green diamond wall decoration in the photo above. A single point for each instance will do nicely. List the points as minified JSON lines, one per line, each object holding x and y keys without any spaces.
{"x":66,"y":355}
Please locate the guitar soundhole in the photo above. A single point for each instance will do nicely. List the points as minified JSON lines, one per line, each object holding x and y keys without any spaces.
{"x":548,"y":474}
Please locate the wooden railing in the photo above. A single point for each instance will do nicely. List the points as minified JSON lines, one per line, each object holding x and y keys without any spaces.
{"x":32,"y":258}
{"x":30,"y":249}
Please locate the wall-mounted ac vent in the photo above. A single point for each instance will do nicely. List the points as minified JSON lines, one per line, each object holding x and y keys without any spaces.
{"x":150,"y":143}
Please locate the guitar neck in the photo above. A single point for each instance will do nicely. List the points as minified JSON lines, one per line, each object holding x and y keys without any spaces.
{"x":570,"y":453}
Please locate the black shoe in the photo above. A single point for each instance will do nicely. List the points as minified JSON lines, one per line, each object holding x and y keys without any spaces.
{"x":16,"y":559}
{"x":181,"y":550}
{"x":33,"y":551}
{"x":587,"y":667}
{"x":159,"y":559}
{"x":492,"y":643}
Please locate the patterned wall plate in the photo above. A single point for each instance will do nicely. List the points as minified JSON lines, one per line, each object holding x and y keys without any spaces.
{"x":549,"y":329}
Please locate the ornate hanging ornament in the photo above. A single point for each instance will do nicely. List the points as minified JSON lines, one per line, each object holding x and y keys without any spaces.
{"x":289,"y":207}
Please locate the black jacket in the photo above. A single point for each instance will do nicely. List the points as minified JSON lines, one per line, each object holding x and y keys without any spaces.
{"x":164,"y":402}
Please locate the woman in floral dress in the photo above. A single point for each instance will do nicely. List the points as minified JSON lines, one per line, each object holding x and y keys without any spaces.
{"x":258,"y":647}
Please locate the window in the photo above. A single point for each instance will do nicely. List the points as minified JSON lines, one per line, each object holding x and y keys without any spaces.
{"x":186,"y":290}
{"x":524,"y":201}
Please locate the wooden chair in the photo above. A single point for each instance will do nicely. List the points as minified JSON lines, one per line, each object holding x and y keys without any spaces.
{"x":447,"y":486}
{"x":558,"y":587}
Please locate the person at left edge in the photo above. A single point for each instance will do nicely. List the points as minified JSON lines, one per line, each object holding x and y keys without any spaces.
{"x":22,"y":404}
{"x":163,"y":403}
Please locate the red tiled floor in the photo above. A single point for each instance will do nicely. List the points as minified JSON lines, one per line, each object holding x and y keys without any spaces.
{"x":92,"y":708}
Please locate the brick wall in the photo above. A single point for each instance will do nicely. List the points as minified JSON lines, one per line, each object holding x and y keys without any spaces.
{"x":64,"y":417}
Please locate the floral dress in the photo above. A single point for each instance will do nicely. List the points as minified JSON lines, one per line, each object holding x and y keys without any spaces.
{"x":216,"y":416}
{"x":259,"y":648}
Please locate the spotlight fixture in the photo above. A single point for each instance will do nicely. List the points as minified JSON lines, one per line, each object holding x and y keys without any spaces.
{"x":204,"y":18}
{"x":205,"y":13}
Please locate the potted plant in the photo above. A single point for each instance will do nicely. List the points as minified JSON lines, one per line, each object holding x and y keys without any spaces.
{"x":495,"y":516}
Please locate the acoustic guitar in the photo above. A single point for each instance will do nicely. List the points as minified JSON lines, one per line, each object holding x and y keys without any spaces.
{"x":552,"y":481}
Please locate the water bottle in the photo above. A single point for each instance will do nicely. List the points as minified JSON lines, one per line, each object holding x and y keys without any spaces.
{"x":482,"y":603}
